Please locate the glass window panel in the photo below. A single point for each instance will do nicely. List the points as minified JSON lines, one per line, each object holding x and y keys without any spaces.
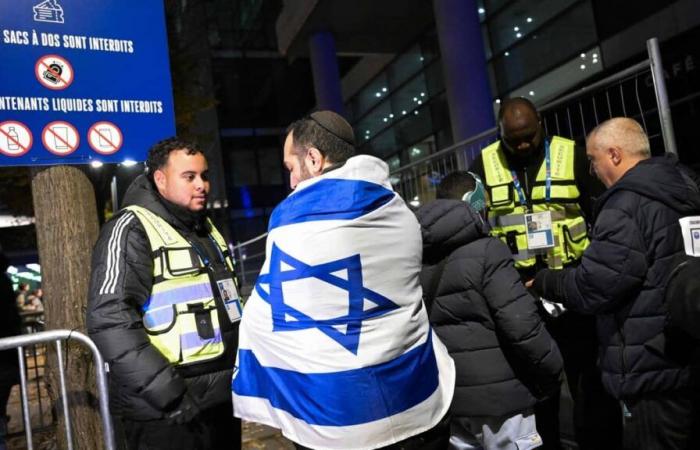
{"x":243,"y":168}
{"x":487,"y":42}
{"x":430,"y":48}
{"x":381,"y":146}
{"x":434,"y":80}
{"x":549,"y":47}
{"x":521,"y":18}
{"x":394,"y":163}
{"x":270,"y":160}
{"x":414,"y":128}
{"x":481,"y":10}
{"x":369,"y":96}
{"x":494,"y":5}
{"x":405,"y":66}
{"x":562,"y":78}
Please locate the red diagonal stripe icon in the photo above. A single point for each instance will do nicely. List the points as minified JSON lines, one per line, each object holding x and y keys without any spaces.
{"x":10,"y":138}
{"x":53,"y":72}
{"x":114,"y":146}
{"x":61,"y":139}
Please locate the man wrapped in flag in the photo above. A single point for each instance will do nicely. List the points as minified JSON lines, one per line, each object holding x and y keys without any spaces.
{"x":335,"y":346}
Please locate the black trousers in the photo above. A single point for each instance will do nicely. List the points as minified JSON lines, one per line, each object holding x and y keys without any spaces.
{"x":436,"y":438}
{"x":596,"y":415}
{"x":213,"y":429}
{"x":662,"y":421}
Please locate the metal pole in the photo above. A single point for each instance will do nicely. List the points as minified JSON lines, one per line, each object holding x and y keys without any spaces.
{"x":115,"y":194}
{"x":37,"y":382}
{"x":241,"y":264}
{"x":25,"y":398}
{"x":64,"y":394}
{"x":657,"y":72}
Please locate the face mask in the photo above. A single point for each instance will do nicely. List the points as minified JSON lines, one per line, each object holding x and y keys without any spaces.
{"x":476,"y":198}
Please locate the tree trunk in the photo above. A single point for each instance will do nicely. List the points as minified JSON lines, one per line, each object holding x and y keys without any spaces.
{"x":66,"y":227}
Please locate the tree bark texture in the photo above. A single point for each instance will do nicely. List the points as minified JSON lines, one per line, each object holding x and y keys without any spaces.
{"x":66,"y":226}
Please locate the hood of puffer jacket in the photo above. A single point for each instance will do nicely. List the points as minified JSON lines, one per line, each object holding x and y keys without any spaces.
{"x":142,"y":193}
{"x":447,"y":225}
{"x":662,"y":179}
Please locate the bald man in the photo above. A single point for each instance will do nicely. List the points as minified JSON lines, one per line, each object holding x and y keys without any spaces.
{"x":622,"y":279}
{"x":530,"y":175}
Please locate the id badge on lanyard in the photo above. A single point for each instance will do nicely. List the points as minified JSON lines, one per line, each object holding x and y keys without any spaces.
{"x":540,"y":234}
{"x":229,"y":295}
{"x":539,"y":230}
{"x":225,"y":285}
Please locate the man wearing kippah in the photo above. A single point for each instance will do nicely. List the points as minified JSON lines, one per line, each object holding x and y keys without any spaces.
{"x":335,"y":347}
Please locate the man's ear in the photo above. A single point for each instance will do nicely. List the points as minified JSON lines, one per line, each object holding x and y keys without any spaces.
{"x":159,"y":179}
{"x":315,"y":161}
{"x":615,"y":154}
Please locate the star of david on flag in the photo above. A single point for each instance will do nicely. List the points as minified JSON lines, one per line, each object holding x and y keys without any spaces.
{"x":287,"y":318}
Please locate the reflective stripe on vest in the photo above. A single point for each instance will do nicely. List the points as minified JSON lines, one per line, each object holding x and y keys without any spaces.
{"x":180,"y":316}
{"x":507,"y":215}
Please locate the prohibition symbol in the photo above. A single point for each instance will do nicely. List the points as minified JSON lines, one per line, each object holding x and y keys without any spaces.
{"x":15,"y":138}
{"x":60,"y":138}
{"x":105,"y":138}
{"x":54,"y":72}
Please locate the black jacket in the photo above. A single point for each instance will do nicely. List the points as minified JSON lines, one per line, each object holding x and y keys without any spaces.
{"x":635,"y":244}
{"x":143,"y":384}
{"x":484,"y":315}
{"x":10,"y":325}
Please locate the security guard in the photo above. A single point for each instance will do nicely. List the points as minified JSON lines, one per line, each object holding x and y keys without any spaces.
{"x":540,"y":193}
{"x":164,"y":309}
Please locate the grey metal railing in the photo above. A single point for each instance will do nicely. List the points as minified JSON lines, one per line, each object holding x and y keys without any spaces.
{"x":638,"y":91}
{"x":249,"y":257}
{"x":58,"y":336}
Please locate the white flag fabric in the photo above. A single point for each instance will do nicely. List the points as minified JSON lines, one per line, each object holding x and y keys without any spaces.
{"x":335,"y":346}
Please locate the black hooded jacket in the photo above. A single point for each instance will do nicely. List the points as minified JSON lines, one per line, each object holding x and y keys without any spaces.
{"x":504,"y":356}
{"x":635,"y":244}
{"x":143,"y":384}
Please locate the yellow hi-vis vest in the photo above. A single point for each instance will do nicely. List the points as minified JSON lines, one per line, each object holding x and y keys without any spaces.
{"x":507,"y":215}
{"x":181,"y":316}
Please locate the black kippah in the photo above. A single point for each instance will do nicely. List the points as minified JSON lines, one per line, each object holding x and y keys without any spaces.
{"x":335,"y":124}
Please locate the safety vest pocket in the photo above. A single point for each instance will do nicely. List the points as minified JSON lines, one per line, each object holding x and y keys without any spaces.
{"x":162,"y":326}
{"x":178,"y":262}
{"x":200,"y":333}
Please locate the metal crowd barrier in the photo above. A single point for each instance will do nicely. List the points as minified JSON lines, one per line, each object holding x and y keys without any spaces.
{"x":58,"y":336}
{"x":249,"y":257}
{"x":638,"y":92}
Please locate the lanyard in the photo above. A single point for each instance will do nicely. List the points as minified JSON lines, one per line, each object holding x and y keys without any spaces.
{"x":548,"y":178}
{"x":203,"y":255}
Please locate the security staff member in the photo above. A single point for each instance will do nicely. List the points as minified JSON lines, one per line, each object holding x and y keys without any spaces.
{"x":541,"y":192}
{"x":157,"y":312}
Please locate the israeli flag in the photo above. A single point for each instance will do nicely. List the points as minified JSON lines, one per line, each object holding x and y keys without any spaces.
{"x":335,"y":346}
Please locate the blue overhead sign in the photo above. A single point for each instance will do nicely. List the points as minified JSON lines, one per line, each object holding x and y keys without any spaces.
{"x":83,"y":81}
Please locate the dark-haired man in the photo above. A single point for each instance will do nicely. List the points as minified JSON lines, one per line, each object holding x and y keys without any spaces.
{"x":157,"y":312}
{"x":540,"y":201}
{"x":335,"y":346}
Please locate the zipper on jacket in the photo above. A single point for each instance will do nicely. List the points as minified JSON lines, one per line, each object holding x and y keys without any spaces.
{"x":621,"y":330}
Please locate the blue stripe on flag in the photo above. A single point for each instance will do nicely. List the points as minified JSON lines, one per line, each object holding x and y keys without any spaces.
{"x":344,"y":398}
{"x":330,"y":199}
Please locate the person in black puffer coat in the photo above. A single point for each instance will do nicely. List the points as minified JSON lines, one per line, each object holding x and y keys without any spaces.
{"x":10,"y":325}
{"x":504,"y":356}
{"x":622,"y":279}
{"x":158,"y":404}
